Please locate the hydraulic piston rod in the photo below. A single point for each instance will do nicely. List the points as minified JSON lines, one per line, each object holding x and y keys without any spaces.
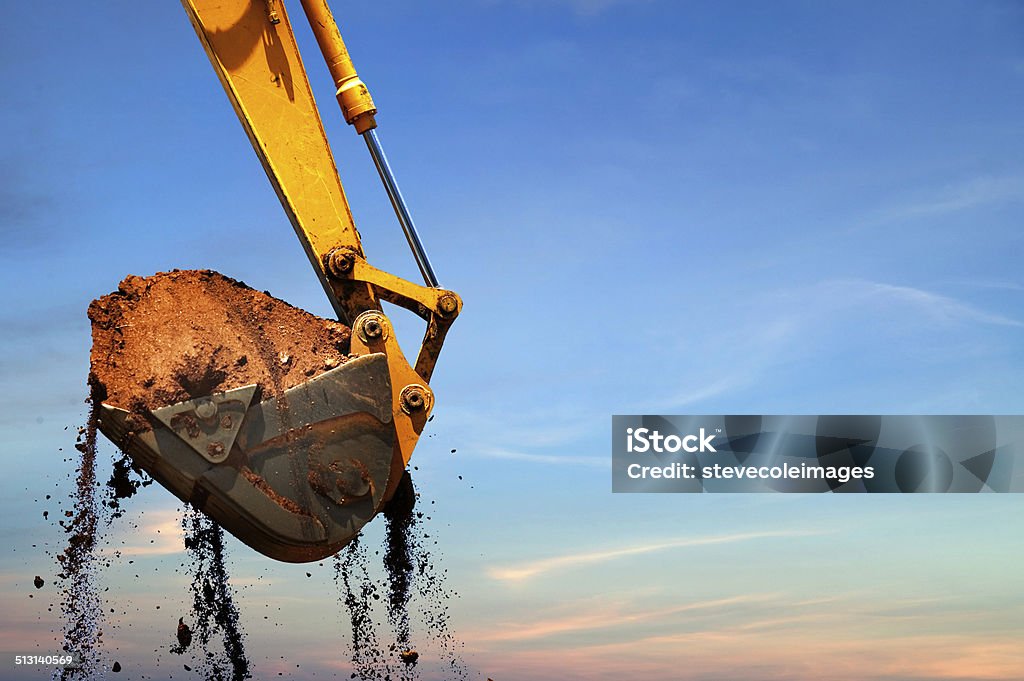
{"x":401,"y":210}
{"x":359,"y":110}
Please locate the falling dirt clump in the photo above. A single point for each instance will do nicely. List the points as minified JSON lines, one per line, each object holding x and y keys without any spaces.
{"x":183,"y":334}
{"x":124,"y":483}
{"x":81,"y":606}
{"x":358,"y":593}
{"x":398,"y":561}
{"x":416,"y":600}
{"x":213,"y":604}
{"x":184,"y":634}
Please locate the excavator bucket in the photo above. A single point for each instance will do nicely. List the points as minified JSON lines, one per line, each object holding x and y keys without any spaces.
{"x":295,"y":470}
{"x":295,"y":477}
{"x":283,"y":427}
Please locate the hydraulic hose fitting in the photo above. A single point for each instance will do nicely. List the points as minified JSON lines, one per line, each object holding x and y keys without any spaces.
{"x":353,"y":96}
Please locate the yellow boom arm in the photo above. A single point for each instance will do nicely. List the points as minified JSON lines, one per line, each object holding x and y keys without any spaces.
{"x":253,"y":51}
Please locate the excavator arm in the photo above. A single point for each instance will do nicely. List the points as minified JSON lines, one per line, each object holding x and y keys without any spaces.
{"x":253,"y":51}
{"x":296,"y":476}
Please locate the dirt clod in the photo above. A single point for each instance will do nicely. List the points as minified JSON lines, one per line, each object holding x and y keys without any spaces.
{"x":184,"y":634}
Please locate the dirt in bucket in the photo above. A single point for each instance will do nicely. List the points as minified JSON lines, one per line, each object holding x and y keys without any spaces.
{"x":184,"y":334}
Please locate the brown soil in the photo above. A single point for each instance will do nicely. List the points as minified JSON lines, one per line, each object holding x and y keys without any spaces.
{"x":183,"y":334}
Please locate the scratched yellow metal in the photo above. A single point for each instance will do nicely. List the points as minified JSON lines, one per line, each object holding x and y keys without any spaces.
{"x":259,"y":65}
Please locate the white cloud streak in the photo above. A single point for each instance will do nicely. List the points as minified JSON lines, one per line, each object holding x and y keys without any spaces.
{"x":939,"y":307}
{"x":159,"y":534}
{"x":975,"y":193}
{"x":549,"y":459}
{"x":612,"y":616}
{"x":531,"y":569}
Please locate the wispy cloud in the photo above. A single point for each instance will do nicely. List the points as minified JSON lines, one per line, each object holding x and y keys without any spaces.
{"x":531,"y":569}
{"x":533,"y":428}
{"x":158,"y":534}
{"x":764,"y":628}
{"x":974,"y":193}
{"x":820,"y":654}
{"x":939,"y":307}
{"x":537,"y":436}
{"x":550,"y":459}
{"x":798,"y":324}
{"x":730,"y":364}
{"x":613,"y":615}
{"x":771,"y":331}
{"x":700,"y":393}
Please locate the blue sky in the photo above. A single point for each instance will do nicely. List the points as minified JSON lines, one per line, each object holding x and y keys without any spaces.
{"x":648,"y":207}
